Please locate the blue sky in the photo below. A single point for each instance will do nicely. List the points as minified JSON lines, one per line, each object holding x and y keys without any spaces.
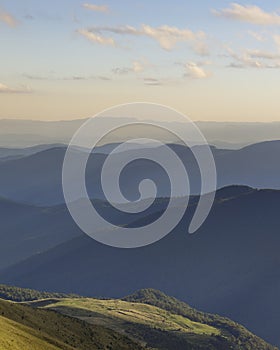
{"x":213,"y":60}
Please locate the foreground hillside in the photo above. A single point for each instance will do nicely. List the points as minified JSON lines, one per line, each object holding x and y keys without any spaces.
{"x":236,"y":335}
{"x":24,"y":328}
{"x":146,"y":319}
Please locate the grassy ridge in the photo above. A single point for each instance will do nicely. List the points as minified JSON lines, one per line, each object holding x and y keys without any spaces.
{"x":237,"y":335}
{"x":46,"y":330}
{"x":166,"y":327}
{"x":122,"y":312}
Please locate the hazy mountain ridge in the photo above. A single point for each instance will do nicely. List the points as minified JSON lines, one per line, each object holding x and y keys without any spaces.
{"x":38,"y":229}
{"x":37,"y":179}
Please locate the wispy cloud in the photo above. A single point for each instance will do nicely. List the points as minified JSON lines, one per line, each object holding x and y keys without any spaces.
{"x":121,"y":70}
{"x":4,"y":89}
{"x":276,"y":39}
{"x":35,"y":77}
{"x":167,"y":37}
{"x":67,"y":78}
{"x":7,"y":18}
{"x":136,"y":67}
{"x":201,"y":48}
{"x":97,"y":38}
{"x":263,"y":54}
{"x":250,"y":14}
{"x":97,"y":8}
{"x":29,"y":17}
{"x":152,"y":82}
{"x":257,"y":36}
{"x":196,"y":71}
{"x":254,"y":59}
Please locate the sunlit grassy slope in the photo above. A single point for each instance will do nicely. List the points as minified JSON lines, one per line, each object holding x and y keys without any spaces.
{"x":158,"y":321}
{"x":116,"y":313}
{"x":15,"y":336}
{"x":25,"y":328}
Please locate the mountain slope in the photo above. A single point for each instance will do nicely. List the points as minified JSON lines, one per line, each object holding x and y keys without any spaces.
{"x":23,"y":327}
{"x":233,"y":331}
{"x":15,"y":336}
{"x":27,"y":230}
{"x":38,"y":229}
{"x":149,"y":325}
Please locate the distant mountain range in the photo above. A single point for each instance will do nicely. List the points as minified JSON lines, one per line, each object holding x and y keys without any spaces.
{"x":34,"y":175}
{"x":230,"y":266}
{"x":147,"y":319}
{"x":25,"y":133}
{"x":16,"y":153}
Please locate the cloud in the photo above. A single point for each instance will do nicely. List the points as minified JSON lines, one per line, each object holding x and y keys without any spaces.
{"x":244,"y":61}
{"x":167,"y":37}
{"x":97,"y":8}
{"x":8,"y":18}
{"x":99,"y":39}
{"x":29,"y":17}
{"x":67,"y":78}
{"x":121,"y":70}
{"x":254,"y":59}
{"x":196,"y":71}
{"x":35,"y":77}
{"x":137,"y":67}
{"x":152,"y":82}
{"x":250,"y":14}
{"x":263,"y":54}
{"x":4,"y":89}
{"x":102,"y":77}
{"x":276,"y":39}
{"x":201,"y":48}
{"x":258,"y":36}
{"x":82,"y":77}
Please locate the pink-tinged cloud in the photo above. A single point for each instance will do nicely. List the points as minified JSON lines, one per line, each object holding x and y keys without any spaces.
{"x":250,"y":14}
{"x":97,"y":8}
{"x":8,"y":19}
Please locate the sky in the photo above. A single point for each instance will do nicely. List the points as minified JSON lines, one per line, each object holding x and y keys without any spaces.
{"x":211,"y":60}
